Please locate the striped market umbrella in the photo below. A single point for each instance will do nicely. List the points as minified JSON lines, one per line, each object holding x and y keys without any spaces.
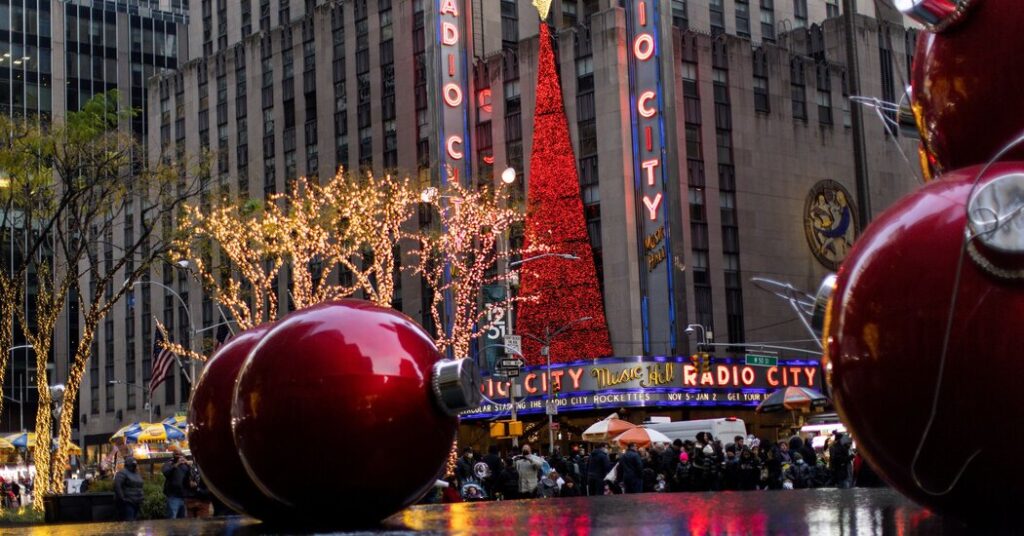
{"x":792,"y":398}
{"x":159,"y":433}
{"x":641,"y":436}
{"x":27,"y":440}
{"x":177,"y":421}
{"x":147,"y":432}
{"x":22,"y":440}
{"x":607,"y":429}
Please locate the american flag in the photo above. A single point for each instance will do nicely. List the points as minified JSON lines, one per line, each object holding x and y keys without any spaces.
{"x":163,"y":360}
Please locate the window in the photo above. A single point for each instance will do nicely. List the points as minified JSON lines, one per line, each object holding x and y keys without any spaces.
{"x":509,"y":22}
{"x":832,"y":8}
{"x":824,"y":107}
{"x":768,"y":20}
{"x":824,"y":93}
{"x":717,"y":17}
{"x":761,"y":103}
{"x":799,"y":13}
{"x":679,"y":18}
{"x":798,"y":89}
{"x":742,"y":18}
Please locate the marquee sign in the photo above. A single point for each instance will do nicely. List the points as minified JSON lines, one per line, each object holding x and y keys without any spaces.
{"x":453,"y":90}
{"x":650,"y":178}
{"x":645,"y":381}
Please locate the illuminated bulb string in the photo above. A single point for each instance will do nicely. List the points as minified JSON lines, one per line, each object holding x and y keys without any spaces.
{"x":968,"y":237}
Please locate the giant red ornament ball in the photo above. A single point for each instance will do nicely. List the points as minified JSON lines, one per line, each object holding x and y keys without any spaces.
{"x":884,"y":338}
{"x":209,"y":429}
{"x":966,"y":82}
{"x":335,"y":413}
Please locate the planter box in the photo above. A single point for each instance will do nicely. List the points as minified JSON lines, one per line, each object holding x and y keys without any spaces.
{"x":80,"y":507}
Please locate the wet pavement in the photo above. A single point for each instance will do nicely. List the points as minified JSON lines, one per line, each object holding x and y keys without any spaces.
{"x":823,"y":511}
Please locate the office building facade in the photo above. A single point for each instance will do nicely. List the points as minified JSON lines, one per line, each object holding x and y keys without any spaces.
{"x":756,"y":133}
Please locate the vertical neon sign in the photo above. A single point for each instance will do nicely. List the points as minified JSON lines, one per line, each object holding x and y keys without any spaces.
{"x":449,"y":52}
{"x":650,"y":179}
{"x":454,"y":87}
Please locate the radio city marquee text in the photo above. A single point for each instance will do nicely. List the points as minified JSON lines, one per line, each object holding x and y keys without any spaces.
{"x":648,"y":381}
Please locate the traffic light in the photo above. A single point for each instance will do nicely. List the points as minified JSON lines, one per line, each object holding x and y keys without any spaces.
{"x":503,"y":429}
{"x":705,"y":362}
{"x":556,"y":387}
{"x":695,"y":361}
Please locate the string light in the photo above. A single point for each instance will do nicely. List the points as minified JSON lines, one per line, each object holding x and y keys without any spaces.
{"x":348,"y":225}
{"x":558,"y":292}
{"x":49,"y":303}
{"x":457,"y":262}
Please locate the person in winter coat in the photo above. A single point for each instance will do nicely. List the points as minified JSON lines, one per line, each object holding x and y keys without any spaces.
{"x":128,"y":491}
{"x":632,"y":468}
{"x":799,"y":473}
{"x":749,"y":470}
{"x":840,"y":461}
{"x":493,"y":461}
{"x":598,"y":467}
{"x":668,"y":461}
{"x":569,"y":488}
{"x":681,"y":479}
{"x":528,"y":468}
{"x":464,"y":466}
{"x":773,"y":462}
{"x":176,"y":474}
{"x":731,"y":470}
{"x":508,"y":482}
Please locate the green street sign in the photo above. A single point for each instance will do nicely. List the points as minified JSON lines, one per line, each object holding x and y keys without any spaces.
{"x":761,"y":360}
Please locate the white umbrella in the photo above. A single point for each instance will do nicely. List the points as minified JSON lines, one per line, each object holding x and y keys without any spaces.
{"x":604,"y":430}
{"x":643,"y":437}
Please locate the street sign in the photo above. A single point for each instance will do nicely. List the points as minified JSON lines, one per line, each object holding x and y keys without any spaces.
{"x":762,"y":360}
{"x":511,"y":363}
{"x":510,"y":373}
{"x":514,"y":343}
{"x":551,"y":407}
{"x":556,"y":426}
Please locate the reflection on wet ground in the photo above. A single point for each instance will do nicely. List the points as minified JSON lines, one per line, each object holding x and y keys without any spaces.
{"x":823,"y":511}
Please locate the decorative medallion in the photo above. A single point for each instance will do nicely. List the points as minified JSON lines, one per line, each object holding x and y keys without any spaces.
{"x":830,"y":222}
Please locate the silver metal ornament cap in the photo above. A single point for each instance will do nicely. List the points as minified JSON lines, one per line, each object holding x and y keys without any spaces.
{"x":935,"y":15}
{"x":456,"y":385}
{"x":821,"y":298}
{"x":995,"y":226}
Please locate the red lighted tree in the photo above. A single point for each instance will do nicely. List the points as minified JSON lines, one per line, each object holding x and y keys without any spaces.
{"x":557,"y":291}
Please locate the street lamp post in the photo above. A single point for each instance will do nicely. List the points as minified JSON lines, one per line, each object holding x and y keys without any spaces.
{"x":545,"y":350}
{"x":705,"y":334}
{"x":146,"y":403}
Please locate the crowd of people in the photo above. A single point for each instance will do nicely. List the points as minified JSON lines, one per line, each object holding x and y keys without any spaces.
{"x":704,"y":464}
{"x":185,"y":493}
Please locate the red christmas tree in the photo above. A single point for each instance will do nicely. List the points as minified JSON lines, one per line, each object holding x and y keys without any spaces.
{"x":558,"y":291}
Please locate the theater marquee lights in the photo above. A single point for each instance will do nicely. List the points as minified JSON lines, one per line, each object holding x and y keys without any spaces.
{"x":656,"y":382}
{"x":650,"y":179}
{"x":454,"y":86}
